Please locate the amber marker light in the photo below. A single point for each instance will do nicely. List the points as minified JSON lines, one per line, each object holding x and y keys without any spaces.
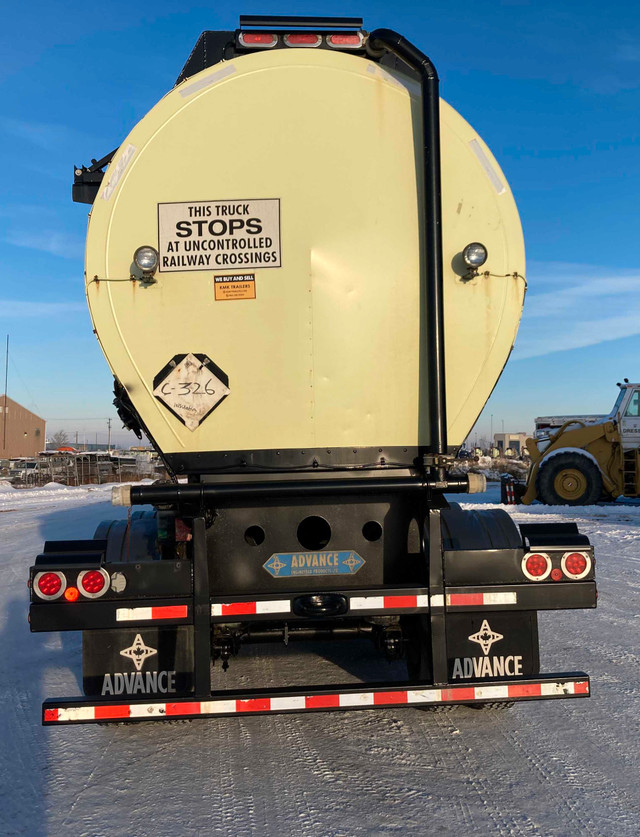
{"x":71,"y":594}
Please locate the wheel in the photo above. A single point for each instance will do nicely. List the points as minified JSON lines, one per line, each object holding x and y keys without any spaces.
{"x":569,"y":479}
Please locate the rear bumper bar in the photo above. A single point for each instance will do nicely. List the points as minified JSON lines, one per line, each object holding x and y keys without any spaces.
{"x":76,"y":616}
{"x":314,"y":699}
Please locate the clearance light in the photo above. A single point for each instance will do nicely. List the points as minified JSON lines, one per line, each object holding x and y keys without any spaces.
{"x":261,"y":40}
{"x":536,"y":566}
{"x":49,"y":585}
{"x":576,"y":564}
{"x":71,"y":594}
{"x":302,"y":39}
{"x":146,"y":259}
{"x":475,"y":255}
{"x":556,"y":574}
{"x":93,"y":583}
{"x":345,"y":41}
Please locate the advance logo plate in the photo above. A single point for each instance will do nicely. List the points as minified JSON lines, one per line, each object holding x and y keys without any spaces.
{"x":288,"y":564}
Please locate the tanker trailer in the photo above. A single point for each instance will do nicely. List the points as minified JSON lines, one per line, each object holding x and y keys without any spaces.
{"x":306,"y":273}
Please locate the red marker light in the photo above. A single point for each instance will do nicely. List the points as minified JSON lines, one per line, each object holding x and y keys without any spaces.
{"x":345,"y":41}
{"x":264,"y":40}
{"x":71,"y":594}
{"x":302,"y":39}
{"x":556,"y":574}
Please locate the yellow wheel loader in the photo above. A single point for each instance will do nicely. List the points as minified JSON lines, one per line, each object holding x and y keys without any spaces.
{"x":579,"y":460}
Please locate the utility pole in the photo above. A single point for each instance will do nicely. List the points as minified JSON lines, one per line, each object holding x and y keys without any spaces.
{"x":109,"y":434}
{"x":4,"y":414}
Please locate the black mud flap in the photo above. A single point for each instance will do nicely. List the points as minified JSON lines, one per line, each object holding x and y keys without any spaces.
{"x":138,"y":662}
{"x":492,"y":646}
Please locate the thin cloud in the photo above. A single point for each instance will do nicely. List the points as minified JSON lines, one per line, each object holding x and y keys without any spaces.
{"x":578,"y":312}
{"x":11,"y":308}
{"x":45,"y":135}
{"x":49,"y":241}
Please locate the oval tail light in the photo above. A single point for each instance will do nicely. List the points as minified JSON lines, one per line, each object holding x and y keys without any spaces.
{"x":536,"y":566}
{"x":93,"y":583}
{"x":49,"y":585}
{"x":302,"y":39}
{"x":257,"y":40}
{"x":345,"y":40}
{"x":576,"y":565}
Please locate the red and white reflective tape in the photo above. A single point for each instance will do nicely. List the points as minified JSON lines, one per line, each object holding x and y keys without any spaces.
{"x":284,"y":605}
{"x":455,"y":694}
{"x":251,"y":608}
{"x":142,"y":614}
{"x":388,"y":602}
{"x":481,"y":599}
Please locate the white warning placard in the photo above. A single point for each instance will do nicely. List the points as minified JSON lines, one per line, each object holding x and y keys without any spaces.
{"x":210,"y":235}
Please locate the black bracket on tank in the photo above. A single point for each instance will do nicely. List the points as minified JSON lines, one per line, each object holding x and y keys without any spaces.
{"x":87,"y":179}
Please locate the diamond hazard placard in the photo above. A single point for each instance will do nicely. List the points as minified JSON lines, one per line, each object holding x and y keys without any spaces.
{"x":191,"y":386}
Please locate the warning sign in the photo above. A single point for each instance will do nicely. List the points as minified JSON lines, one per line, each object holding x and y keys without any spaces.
{"x":237,"y":286}
{"x":206,"y":235}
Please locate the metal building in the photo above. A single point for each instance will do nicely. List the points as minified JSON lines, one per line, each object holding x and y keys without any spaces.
{"x":22,"y":433}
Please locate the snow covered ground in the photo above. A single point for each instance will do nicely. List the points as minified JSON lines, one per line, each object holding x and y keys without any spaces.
{"x":540,"y":768}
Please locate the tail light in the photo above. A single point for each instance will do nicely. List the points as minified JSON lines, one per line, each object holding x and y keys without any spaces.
{"x":258,"y":40}
{"x":93,"y":583}
{"x":576,"y":565}
{"x":49,"y":585}
{"x":302,"y":39}
{"x":536,"y":566}
{"x":345,"y":41}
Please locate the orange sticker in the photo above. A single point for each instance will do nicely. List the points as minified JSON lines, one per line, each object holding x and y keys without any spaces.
{"x":235,"y":286}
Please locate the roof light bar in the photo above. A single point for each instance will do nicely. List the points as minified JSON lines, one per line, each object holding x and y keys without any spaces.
{"x":282,"y":21}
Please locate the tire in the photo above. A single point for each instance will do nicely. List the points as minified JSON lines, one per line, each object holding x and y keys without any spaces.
{"x":569,"y":479}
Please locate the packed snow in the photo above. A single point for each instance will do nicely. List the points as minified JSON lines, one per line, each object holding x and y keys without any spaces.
{"x":539,"y":768}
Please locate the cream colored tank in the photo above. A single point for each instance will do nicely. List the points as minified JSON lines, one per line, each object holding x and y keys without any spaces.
{"x":281,"y":190}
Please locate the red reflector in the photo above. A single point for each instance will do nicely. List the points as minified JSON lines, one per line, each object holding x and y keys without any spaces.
{"x":51,"y":714}
{"x":392,"y":602}
{"x":575,"y":563}
{"x":380,"y":698}
{"x":308,"y":39}
{"x":581,"y":688}
{"x":458,"y":694}
{"x":253,"y":705}
{"x":321,"y":701}
{"x":71,"y":594}
{"x":536,"y":565}
{"x":101,"y":713}
{"x":93,"y":581}
{"x":239,"y":609}
{"x":190,"y":708}
{"x":49,"y":584}
{"x":556,"y":574}
{"x":525,"y":690}
{"x":259,"y":39}
{"x":348,"y":41}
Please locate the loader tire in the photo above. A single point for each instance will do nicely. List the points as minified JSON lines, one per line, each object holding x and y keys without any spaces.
{"x":569,"y":479}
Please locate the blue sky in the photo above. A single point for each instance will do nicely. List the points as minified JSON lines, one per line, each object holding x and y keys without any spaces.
{"x":552,"y":87}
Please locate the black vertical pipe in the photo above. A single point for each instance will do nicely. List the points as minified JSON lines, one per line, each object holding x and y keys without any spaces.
{"x":391,"y":41}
